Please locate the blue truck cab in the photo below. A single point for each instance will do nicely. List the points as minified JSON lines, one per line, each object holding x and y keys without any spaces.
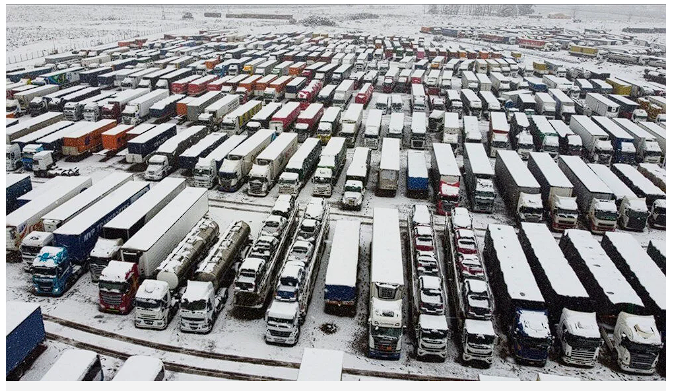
{"x":531,"y":338}
{"x":27,"y":155}
{"x":52,"y":271}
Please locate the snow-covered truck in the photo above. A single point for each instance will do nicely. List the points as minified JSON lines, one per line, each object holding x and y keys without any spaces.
{"x":234,"y":171}
{"x":167,"y":156}
{"x":188,"y":158}
{"x":127,"y":223}
{"x":116,"y":104}
{"x":350,"y":123}
{"x":340,"y":285}
{"x":556,"y":190}
{"x":198,"y":105}
{"x":270,"y":163}
{"x":356,"y":179}
{"x":386,"y":285}
{"x":27,"y":218}
{"x":16,"y":186}
{"x":255,"y":276}
{"x":206,"y":170}
{"x":521,"y":305}
{"x":389,"y":168}
{"x":633,"y":211}
{"x":478,"y":178}
{"x":593,"y":197}
{"x":164,"y":231}
{"x":445,"y":176}
{"x":633,"y":339}
{"x":569,"y":303}
{"x":300,"y":166}
{"x":214,"y":113}
{"x":518,"y":187}
{"x":138,"y":110}
{"x":31,"y":125}
{"x":296,"y":280}
{"x":209,"y":283}
{"x":596,"y":142}
{"x":329,"y":167}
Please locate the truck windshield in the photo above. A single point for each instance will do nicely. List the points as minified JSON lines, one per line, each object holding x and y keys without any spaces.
{"x":480,"y":339}
{"x":434,"y":334}
{"x":640,"y":347}
{"x":499,"y":144}
{"x":196,"y":305}
{"x":387,"y":332}
{"x":148,"y":304}
{"x":322,"y":180}
{"x":272,"y":319}
{"x":354,"y":189}
{"x":116,"y":286}
{"x":582,"y":342}
{"x":228,"y":174}
{"x":44,"y":271}
{"x":201,"y":172}
{"x":530,"y":210}
{"x":605,"y":215}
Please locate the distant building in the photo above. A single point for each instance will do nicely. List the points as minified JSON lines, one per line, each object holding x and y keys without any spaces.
{"x":535,"y":16}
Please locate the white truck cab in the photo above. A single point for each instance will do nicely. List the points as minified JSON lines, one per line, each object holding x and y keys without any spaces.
{"x":158,"y":168}
{"x":155,"y":305}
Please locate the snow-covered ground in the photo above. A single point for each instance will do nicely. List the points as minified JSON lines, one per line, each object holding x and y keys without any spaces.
{"x":34,"y":27}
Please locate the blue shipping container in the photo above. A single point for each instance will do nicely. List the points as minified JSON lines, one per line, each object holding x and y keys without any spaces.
{"x":25,"y":331}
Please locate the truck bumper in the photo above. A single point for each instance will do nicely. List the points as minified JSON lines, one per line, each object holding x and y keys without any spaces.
{"x":384,"y":355}
{"x":195,"y":326}
{"x":155,"y":324}
{"x":290,"y":340}
{"x":561,"y":226}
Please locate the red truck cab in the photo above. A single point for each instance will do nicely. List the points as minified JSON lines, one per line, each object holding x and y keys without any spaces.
{"x":117,"y":287}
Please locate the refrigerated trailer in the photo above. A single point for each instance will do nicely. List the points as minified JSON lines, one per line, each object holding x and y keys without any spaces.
{"x":518,"y":187}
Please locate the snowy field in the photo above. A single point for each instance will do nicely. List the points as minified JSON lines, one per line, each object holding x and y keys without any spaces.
{"x":237,"y":344}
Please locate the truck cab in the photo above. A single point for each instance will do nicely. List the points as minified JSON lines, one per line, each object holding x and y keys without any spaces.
{"x":524,"y":144}
{"x":158,"y":168}
{"x":38,"y":106}
{"x":323,"y":177}
{"x":564,"y":213}
{"x":283,"y":319}
{"x":579,"y":337}
{"x":353,"y":194}
{"x":117,"y":285}
{"x":531,"y":337}
{"x":658,"y":214}
{"x":290,"y":281}
{"x":633,"y":214}
{"x":91,"y":112}
{"x":260,"y":179}
{"x":32,"y":244}
{"x":104,"y":251}
{"x":385,"y":328}
{"x":205,"y":173}
{"x":432,"y":335}
{"x":637,"y":342}
{"x":602,"y":216}
{"x":231,"y":175}
{"x":13,"y":157}
{"x":155,"y":305}
{"x":478,"y":341}
{"x":52,"y":271}
{"x":200,"y":306}
{"x":530,"y":208}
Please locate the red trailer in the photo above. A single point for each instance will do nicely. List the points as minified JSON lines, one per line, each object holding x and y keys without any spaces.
{"x":181,"y":86}
{"x":364,"y":95}
{"x":307,"y":121}
{"x":530,"y":43}
{"x":86,"y":138}
{"x":218,"y":84}
{"x":233,"y":83}
{"x":199,"y":86}
{"x":284,"y":119}
{"x":308,"y":94}
{"x":297,"y":68}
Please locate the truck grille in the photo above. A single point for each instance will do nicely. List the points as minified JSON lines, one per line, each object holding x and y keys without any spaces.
{"x":278,"y":333}
{"x":146,"y":316}
{"x":583,"y":356}
{"x":641,"y":360}
{"x":255,"y":188}
{"x":44,"y":286}
{"x":110,"y":299}
{"x":96,"y":271}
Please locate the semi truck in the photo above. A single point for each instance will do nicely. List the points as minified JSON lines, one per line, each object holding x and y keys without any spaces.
{"x":632,"y":211}
{"x":596,"y":142}
{"x":235,"y":169}
{"x":139,"y":148}
{"x":556,"y":190}
{"x":601,"y":105}
{"x":165,"y":108}
{"x":198,"y":105}
{"x":446,"y":178}
{"x":568,"y":301}
{"x":633,"y":339}
{"x":114,"y":106}
{"x":24,"y":98}
{"x":214,"y":113}
{"x":207,"y":292}
{"x":350,"y":123}
{"x":545,"y":105}
{"x":521,"y":305}
{"x":189,"y":157}
{"x":86,"y":138}
{"x":356,"y":179}
{"x":329,"y":167}
{"x":25,"y":334}
{"x":122,"y":227}
{"x":654,"y":197}
{"x":518,"y":187}
{"x":296,"y":280}
{"x":479,"y":178}
{"x":389,"y":168}
{"x":237,"y":120}
{"x":255,"y":276}
{"x":340,"y":284}
{"x":31,"y":125}
{"x":660,"y":134}
{"x":284,"y":119}
{"x":307,"y":121}
{"x":74,"y":111}
{"x":593,"y":197}
{"x":647,"y":148}
{"x":27,"y":218}
{"x":386,"y":285}
{"x":138,"y":110}
{"x":564,"y":105}
{"x":161,"y":234}
{"x":270,"y":163}
{"x":206,"y":169}
{"x":545,"y":137}
{"x":622,"y":142}
{"x":655,"y":174}
{"x":166,"y":157}
{"x":300,"y":167}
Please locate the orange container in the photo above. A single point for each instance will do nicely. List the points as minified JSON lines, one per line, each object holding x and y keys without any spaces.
{"x":116,"y":138}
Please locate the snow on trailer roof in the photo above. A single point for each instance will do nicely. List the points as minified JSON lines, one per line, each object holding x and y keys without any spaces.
{"x":390,"y":154}
{"x":321,"y":365}
{"x":140,"y":129}
{"x":545,"y":97}
{"x":98,"y":210}
{"x":521,"y":175}
{"x":172,"y":143}
{"x":88,"y":127}
{"x":223,"y":150}
{"x":646,"y":272}
{"x":416,"y":164}
{"x":445,"y":160}
{"x":517,"y":275}
{"x":72,"y":365}
{"x":471,"y":123}
{"x":277,"y":146}
{"x":150,"y":95}
{"x":286,"y":109}
{"x":148,"y":201}
{"x":200,"y":100}
{"x":558,"y":94}
{"x":117,"y":130}
{"x":353,"y":112}
{"x":585,"y":174}
{"x":152,"y":133}
{"x":612,"y":128}
{"x":203,"y":144}
{"x":18,"y":313}
{"x":640,"y":181}
{"x":87,"y":197}
{"x":139,"y":368}
{"x":387,"y":261}
{"x":559,"y":273}
{"x":252,"y":142}
{"x":481,"y":165}
{"x":38,"y":134}
{"x":499,"y":121}
{"x":550,"y":170}
{"x":616,"y":186}
{"x":311,"y":111}
{"x":12,"y":179}
{"x":560,"y":127}
{"x":602,"y":99}
{"x":303,"y":152}
{"x":611,"y":281}
{"x":633,"y":129}
{"x":31,"y":122}
{"x":221,"y":102}
{"x":46,"y":200}
{"x":342,"y":269}
{"x":170,"y":214}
